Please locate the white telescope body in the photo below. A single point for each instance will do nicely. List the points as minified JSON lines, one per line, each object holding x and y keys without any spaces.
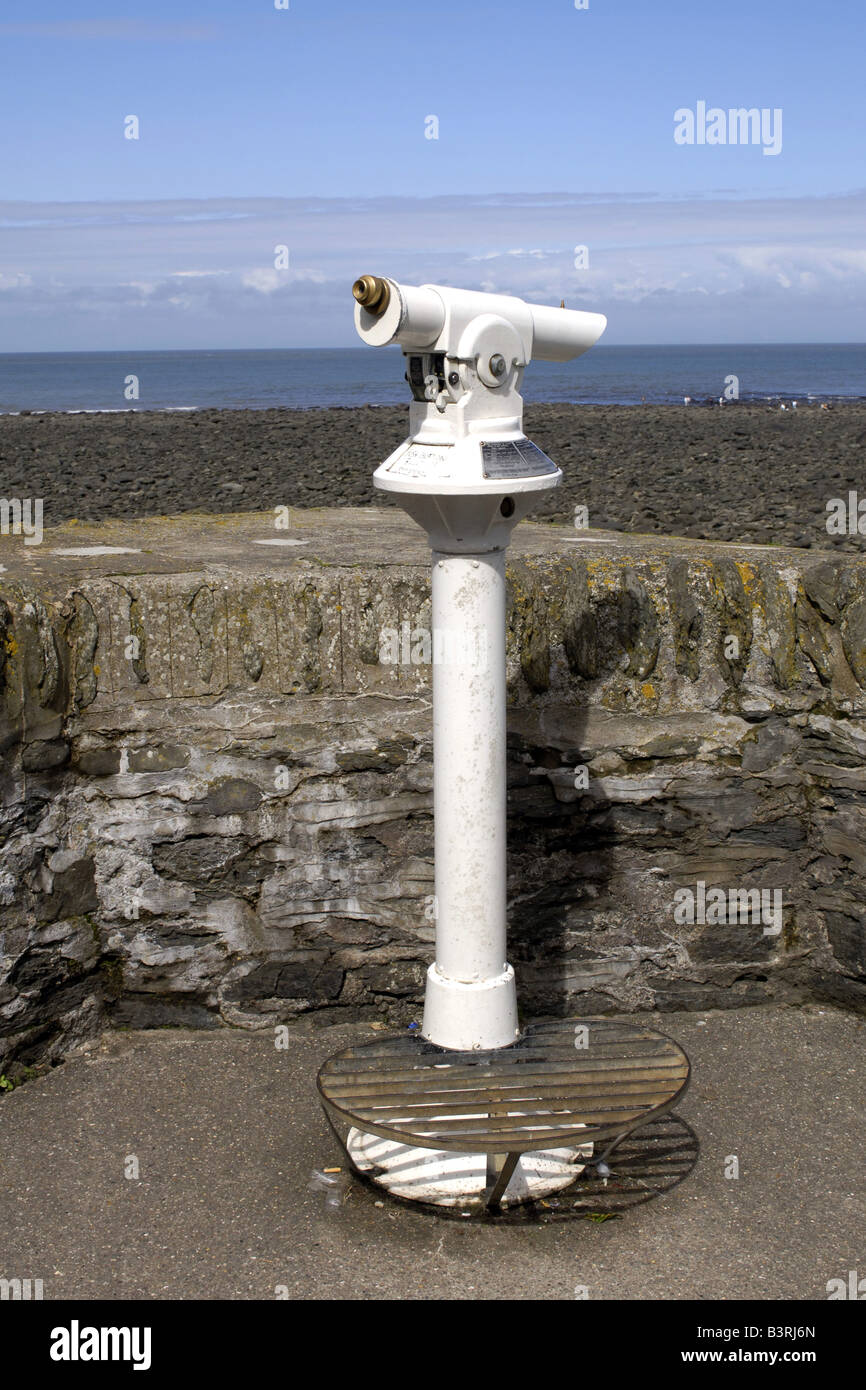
{"x":467,"y":474}
{"x":434,"y":317}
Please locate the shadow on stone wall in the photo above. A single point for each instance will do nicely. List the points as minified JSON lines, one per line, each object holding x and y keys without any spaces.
{"x":215,"y":798}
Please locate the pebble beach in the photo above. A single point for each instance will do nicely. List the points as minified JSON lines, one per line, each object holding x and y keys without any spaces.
{"x":741,"y":472}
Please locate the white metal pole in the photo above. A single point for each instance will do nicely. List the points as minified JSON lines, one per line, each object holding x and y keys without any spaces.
{"x":470,"y":998}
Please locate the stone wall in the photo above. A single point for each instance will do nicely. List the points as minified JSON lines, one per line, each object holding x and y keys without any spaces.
{"x":216,"y":798}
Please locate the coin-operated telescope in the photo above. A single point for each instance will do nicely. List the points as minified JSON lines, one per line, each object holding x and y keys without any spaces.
{"x":467,"y":474}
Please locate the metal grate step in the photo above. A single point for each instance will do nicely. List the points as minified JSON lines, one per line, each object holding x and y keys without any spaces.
{"x":543,"y":1091}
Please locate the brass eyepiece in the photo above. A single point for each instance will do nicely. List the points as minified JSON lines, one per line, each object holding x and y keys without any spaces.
{"x":373,"y":294}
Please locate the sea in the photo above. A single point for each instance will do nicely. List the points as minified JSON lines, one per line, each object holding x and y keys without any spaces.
{"x":350,"y":377}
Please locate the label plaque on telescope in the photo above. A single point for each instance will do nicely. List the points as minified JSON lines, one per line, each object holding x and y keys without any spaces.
{"x":511,"y":458}
{"x":424,"y":461}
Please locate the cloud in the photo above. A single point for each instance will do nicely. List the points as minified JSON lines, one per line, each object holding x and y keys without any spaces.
{"x":806,"y":264}
{"x":267,"y":281}
{"x":193,"y":273}
{"x":14,"y":281}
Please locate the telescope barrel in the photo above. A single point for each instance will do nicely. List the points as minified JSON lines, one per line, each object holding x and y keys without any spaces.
{"x":432,"y":317}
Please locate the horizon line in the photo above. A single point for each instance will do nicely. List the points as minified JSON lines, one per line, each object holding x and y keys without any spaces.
{"x":740,"y":343}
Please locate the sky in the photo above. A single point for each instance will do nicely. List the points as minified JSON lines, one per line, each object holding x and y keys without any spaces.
{"x":280,"y":152}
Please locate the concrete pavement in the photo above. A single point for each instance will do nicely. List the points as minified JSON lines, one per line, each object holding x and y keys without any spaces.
{"x":226,"y":1132}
